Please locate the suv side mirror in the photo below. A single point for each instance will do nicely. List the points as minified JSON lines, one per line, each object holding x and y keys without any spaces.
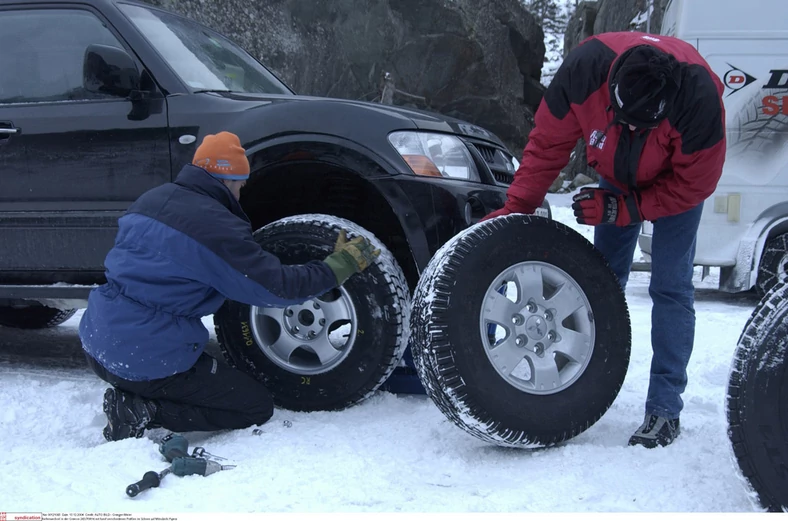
{"x":109,"y":70}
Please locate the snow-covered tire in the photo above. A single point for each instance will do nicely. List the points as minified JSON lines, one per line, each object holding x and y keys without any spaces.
{"x":33,"y":317}
{"x":577,"y":356}
{"x":376,"y":303}
{"x":757,"y":400}
{"x":773,"y":267}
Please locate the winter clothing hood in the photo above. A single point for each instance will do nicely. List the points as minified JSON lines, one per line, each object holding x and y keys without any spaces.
{"x":222,"y":156}
{"x":183,"y":248}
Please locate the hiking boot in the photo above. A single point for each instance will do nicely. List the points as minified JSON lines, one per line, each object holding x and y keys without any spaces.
{"x":656,"y":431}
{"x":127,"y":415}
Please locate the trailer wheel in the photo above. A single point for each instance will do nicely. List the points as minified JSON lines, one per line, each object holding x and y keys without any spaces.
{"x":757,"y":401}
{"x":520,"y":332}
{"x":330,"y":352}
{"x":773,"y":267}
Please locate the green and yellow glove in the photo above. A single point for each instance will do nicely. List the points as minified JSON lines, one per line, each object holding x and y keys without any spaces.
{"x":350,"y":257}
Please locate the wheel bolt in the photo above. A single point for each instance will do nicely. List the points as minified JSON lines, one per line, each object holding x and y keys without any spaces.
{"x":548,"y":315}
{"x":551,"y":336}
{"x":539,"y":349}
{"x":322,"y":321}
{"x":316,"y":305}
{"x":295,"y":329}
{"x":289,"y":312}
{"x":520,"y":341}
{"x":518,"y":319}
{"x":311,"y":334}
{"x":531,"y":307}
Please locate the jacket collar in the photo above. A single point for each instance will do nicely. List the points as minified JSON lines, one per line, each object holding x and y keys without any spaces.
{"x":199,"y":180}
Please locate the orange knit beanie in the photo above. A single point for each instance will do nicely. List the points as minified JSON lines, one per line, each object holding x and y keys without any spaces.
{"x":222,"y":156}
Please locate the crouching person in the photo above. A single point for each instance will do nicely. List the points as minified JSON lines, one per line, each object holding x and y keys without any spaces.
{"x":181,"y":249}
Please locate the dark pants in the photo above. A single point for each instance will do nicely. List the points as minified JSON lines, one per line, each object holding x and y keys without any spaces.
{"x":208,"y":397}
{"x":672,"y":295}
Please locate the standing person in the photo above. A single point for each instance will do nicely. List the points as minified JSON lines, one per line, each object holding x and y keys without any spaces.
{"x":181,"y":249}
{"x":650,"y":109}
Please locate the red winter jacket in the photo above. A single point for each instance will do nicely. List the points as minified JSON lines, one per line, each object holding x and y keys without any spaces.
{"x":682,"y":159}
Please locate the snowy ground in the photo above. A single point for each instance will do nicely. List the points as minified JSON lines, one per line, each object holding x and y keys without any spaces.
{"x":392,"y":453}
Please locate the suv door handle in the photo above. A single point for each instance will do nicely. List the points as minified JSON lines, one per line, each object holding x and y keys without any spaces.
{"x":7,"y":129}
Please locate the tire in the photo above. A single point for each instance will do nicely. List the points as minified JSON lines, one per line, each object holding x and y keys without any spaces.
{"x":773,"y":267}
{"x":757,"y":401}
{"x":376,"y":302}
{"x":452,"y":333}
{"x":33,"y":317}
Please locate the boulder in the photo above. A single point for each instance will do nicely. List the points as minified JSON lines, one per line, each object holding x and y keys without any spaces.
{"x":480,"y":61}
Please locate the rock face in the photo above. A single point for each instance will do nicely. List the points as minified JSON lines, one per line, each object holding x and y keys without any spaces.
{"x":478,"y":60}
{"x":599,"y":17}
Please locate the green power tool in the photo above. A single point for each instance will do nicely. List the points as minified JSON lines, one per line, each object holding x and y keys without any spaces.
{"x":174,"y":448}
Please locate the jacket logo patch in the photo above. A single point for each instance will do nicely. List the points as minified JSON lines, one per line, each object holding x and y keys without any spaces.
{"x":597,"y":139}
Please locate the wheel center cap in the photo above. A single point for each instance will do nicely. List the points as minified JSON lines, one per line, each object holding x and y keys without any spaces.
{"x":305,"y":321}
{"x":536,"y":327}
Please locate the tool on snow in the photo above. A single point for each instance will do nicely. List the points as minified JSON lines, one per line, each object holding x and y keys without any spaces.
{"x":174,"y":448}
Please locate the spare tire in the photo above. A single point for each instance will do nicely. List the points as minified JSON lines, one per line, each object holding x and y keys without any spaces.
{"x":520,"y":332}
{"x":330,"y":352}
{"x":33,"y":317}
{"x":757,"y":400}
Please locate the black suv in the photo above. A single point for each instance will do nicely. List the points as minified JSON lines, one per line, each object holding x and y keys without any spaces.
{"x":101,"y":100}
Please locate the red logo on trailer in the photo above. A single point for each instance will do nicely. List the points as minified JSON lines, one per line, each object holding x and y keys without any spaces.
{"x":736,"y":79}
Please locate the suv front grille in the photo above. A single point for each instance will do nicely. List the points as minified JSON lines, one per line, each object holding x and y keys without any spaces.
{"x":488,"y":153}
{"x":503,"y":177}
{"x":499,"y":161}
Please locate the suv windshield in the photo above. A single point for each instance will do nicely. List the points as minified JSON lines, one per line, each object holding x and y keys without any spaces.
{"x":203,"y":59}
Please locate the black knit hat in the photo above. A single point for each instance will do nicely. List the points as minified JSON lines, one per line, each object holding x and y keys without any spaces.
{"x":644,"y":82}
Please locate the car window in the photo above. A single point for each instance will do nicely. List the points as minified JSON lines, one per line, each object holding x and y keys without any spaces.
{"x":203,"y":59}
{"x":43,"y":51}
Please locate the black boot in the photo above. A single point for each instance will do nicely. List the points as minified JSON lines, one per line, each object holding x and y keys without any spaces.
{"x":127,"y":415}
{"x":656,"y":431}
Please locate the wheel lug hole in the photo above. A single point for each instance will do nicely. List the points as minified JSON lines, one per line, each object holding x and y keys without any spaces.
{"x":322,"y":321}
{"x":316,"y":305}
{"x":289,"y":312}
{"x":295,"y":329}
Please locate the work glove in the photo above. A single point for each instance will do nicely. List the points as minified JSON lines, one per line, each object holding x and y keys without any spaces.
{"x":596,"y":206}
{"x":350,"y":257}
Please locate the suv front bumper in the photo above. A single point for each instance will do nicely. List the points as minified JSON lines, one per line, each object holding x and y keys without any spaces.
{"x":433,"y":210}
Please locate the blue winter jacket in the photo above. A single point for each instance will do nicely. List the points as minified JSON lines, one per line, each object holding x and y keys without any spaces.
{"x":181,"y":249}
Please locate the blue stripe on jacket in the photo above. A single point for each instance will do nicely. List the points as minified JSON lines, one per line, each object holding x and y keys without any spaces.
{"x":181,"y":249}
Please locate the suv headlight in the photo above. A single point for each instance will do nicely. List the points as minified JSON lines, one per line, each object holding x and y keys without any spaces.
{"x":435,"y":155}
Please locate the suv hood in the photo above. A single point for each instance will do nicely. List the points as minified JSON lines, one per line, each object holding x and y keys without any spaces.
{"x":422,"y":119}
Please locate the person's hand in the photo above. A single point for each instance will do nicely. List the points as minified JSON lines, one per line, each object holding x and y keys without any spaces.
{"x":595,"y":206}
{"x":513,"y":205}
{"x":350,"y":257}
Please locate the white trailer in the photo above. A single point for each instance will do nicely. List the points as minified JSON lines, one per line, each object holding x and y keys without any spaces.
{"x":744,"y":227}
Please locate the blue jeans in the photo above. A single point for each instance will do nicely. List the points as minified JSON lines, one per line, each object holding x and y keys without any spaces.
{"x":672,"y":296}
